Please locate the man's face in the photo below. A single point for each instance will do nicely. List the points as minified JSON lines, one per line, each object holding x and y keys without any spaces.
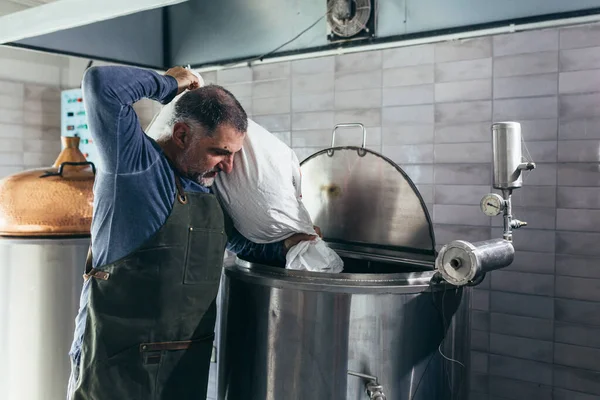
{"x":203,"y":157}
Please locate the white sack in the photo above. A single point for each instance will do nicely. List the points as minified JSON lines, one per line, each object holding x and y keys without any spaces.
{"x":313,"y":256}
{"x":263,"y":195}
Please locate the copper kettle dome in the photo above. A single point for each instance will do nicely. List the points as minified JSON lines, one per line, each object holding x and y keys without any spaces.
{"x":54,"y":201}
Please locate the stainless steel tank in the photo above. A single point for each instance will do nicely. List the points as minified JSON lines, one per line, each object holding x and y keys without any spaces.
{"x":45,"y":217}
{"x":386,"y":327}
{"x":40,"y":283}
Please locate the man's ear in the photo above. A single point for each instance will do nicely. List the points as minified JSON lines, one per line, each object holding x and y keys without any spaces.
{"x":181,"y":134}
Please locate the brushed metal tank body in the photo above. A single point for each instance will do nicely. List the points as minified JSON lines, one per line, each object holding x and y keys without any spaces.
{"x":294,"y":335}
{"x":298,"y":335}
{"x":40,"y":286}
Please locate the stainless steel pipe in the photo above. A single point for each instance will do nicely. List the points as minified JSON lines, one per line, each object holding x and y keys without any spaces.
{"x":461,"y":263}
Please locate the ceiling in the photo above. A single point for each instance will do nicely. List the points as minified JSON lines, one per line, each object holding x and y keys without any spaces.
{"x":161,"y":33}
{"x":11,"y":6}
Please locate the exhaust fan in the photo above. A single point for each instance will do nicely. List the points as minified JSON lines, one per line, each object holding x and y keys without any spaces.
{"x":350,"y":19}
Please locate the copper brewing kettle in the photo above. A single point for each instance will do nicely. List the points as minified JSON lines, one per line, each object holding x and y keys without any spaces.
{"x":54,"y":201}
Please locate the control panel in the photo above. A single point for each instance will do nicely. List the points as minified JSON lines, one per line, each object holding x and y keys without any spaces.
{"x":74,"y":123}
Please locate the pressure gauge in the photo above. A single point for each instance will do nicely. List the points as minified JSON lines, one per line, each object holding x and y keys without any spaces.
{"x":492,"y":204}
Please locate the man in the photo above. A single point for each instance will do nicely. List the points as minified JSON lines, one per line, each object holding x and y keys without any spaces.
{"x":146,"y":322}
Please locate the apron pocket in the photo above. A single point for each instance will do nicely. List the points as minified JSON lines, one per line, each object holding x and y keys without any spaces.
{"x":204,"y":255}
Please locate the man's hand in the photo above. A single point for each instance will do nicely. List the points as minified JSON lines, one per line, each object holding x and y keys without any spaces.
{"x":295,"y":239}
{"x":318,"y":230}
{"x":185,"y":79}
{"x":300,"y":237}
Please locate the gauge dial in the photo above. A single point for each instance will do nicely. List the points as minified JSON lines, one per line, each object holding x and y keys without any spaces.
{"x":492,"y":204}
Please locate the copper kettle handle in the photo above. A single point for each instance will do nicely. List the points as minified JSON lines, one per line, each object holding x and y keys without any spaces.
{"x":60,"y":168}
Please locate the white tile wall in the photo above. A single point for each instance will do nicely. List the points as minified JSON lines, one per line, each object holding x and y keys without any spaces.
{"x":535,"y":324}
{"x":30,"y":85}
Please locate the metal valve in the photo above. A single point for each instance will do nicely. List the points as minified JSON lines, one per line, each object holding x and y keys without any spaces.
{"x":373,"y":389}
{"x":515,"y":223}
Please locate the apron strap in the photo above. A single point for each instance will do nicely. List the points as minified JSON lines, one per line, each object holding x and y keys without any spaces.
{"x":181,"y":197}
{"x":152,"y":352}
{"x":179,"y":345}
{"x":93,"y":272}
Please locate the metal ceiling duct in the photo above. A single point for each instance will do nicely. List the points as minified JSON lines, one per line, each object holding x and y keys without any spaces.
{"x":32,"y":3}
{"x":64,"y":14}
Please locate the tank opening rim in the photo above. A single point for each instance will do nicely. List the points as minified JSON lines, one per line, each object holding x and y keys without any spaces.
{"x":340,"y":244}
{"x":420,"y":277}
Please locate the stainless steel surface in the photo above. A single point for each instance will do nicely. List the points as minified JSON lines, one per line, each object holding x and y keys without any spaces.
{"x":507,"y":215}
{"x":510,"y":222}
{"x":506,"y":150}
{"x":461,"y":263}
{"x":40,"y":284}
{"x":360,"y":198}
{"x":283,"y":340}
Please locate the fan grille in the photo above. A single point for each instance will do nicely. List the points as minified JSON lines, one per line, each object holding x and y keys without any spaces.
{"x":352,"y":26}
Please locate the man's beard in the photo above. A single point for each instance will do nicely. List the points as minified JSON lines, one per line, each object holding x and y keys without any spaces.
{"x":206,"y":178}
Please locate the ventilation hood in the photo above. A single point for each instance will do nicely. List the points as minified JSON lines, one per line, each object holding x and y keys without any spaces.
{"x":50,"y":16}
{"x":161,"y":33}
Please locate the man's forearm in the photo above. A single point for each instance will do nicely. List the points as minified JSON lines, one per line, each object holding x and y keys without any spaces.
{"x":123,"y":86}
{"x":272,"y":253}
{"x":109,"y":93}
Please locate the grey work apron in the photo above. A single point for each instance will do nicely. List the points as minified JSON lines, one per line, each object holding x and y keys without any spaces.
{"x":151,"y":315}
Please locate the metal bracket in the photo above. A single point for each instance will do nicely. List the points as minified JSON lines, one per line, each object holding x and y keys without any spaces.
{"x":526,"y":166}
{"x":372,"y":388}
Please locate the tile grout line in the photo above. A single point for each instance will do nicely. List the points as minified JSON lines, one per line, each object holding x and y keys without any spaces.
{"x":491,"y":228}
{"x":558,"y":119}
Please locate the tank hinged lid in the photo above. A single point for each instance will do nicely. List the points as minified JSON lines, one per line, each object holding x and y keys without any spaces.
{"x":365,"y":203}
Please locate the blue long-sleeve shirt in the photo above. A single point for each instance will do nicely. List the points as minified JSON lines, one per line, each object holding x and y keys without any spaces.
{"x":135,"y":189}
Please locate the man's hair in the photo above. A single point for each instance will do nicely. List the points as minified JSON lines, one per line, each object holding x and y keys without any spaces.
{"x":210,"y":106}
